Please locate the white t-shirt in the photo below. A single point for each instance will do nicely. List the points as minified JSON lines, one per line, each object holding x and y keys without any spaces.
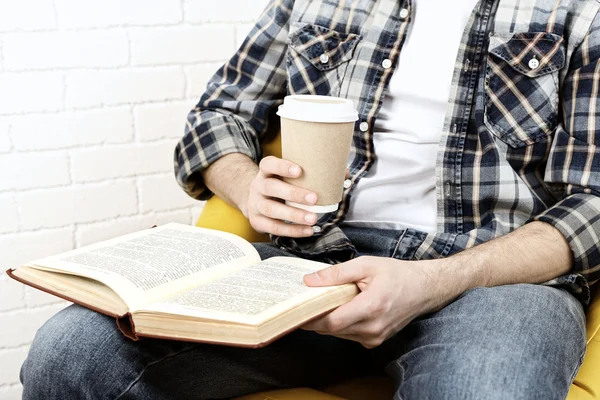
{"x":399,"y":190}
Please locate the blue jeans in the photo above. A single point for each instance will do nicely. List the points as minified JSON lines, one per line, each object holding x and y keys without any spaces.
{"x":509,"y":342}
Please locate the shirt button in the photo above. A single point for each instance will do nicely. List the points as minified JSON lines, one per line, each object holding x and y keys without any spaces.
{"x":534,"y":63}
{"x":347,"y":184}
{"x":364,"y":126}
{"x":316,"y":229}
{"x":404,"y":13}
{"x":324,"y":58}
{"x":387,"y":64}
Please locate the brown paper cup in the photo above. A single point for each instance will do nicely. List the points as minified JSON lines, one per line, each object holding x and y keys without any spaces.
{"x":321,"y":149}
{"x":316,"y":134}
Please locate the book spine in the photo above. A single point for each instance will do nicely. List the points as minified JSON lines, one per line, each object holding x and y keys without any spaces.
{"x":127,"y":326}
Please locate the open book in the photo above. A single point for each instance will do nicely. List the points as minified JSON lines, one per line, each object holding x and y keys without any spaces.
{"x":186,"y":283}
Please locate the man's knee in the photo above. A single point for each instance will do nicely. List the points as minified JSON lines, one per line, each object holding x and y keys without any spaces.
{"x":518,"y":342}
{"x":461,"y":372}
{"x":70,"y":354}
{"x":524,"y":315}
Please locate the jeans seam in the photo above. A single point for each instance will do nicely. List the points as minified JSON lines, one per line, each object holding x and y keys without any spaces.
{"x":578,"y":366}
{"x":150,"y":364}
{"x":397,"y":395}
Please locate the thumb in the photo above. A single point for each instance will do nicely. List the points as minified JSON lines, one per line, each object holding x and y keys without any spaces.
{"x":349,"y":272}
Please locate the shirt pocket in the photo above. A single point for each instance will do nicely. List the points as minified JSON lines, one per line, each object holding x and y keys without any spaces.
{"x":317,"y":57}
{"x":521,"y":86}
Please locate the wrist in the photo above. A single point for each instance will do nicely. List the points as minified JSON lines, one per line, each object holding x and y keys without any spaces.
{"x":242,"y":194}
{"x":230,"y":178}
{"x":451,"y":277}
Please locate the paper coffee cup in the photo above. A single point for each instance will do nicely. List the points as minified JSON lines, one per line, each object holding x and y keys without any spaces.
{"x":316,"y":134}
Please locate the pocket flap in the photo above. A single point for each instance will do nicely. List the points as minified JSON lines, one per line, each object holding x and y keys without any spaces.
{"x":324,"y":48}
{"x":519,"y":51}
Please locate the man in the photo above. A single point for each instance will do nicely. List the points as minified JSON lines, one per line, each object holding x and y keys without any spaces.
{"x":469,"y":220}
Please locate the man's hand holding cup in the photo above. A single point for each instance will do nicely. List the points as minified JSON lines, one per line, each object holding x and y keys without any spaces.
{"x":286,"y":194}
{"x":266,"y":208}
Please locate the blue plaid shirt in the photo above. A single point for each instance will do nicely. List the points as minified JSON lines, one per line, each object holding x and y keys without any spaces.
{"x":518,"y":142}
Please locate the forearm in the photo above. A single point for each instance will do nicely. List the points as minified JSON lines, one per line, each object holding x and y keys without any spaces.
{"x":230,"y":178}
{"x":535,"y":253}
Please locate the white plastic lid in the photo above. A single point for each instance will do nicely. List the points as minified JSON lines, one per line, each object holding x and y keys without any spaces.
{"x":318,"y":109}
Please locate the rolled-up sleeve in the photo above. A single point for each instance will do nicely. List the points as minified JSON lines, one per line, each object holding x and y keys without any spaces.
{"x":232,"y":115}
{"x":574,"y":160}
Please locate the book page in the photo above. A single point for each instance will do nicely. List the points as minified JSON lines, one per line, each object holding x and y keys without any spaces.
{"x":154,"y":263}
{"x":249,"y":295}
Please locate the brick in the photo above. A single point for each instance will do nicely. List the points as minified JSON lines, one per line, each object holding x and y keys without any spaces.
{"x":180,"y":216}
{"x":95,"y":88}
{"x":159,"y":121}
{"x":76,"y":204}
{"x":197,"y":78}
{"x":241,"y":32}
{"x":11,"y":295}
{"x":11,"y":361}
{"x":88,"y":14}
{"x":72,"y":129}
{"x":9,"y":216}
{"x":158,"y":193}
{"x":97,"y":232}
{"x":24,"y":15}
{"x":30,"y":92}
{"x":46,"y":50}
{"x":13,"y":392}
{"x":196,"y":211}
{"x":21,"y":248}
{"x":19,"y":328}
{"x":151,"y":46}
{"x":223,"y":10}
{"x":5,"y":142}
{"x":120,"y":161}
{"x":36,"y":298}
{"x":28,"y":170}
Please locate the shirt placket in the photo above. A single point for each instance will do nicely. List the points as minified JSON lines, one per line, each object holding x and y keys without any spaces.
{"x":384,"y":63}
{"x":449,"y":168}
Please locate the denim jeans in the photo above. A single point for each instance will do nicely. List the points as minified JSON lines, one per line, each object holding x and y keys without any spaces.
{"x":509,"y":342}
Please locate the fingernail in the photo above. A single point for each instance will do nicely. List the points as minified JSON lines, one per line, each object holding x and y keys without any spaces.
{"x":295,"y":170}
{"x":311,"y":198}
{"x":308,"y":231}
{"x":310,"y":218}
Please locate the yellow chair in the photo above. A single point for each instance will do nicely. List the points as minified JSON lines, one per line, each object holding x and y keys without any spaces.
{"x":219,"y":215}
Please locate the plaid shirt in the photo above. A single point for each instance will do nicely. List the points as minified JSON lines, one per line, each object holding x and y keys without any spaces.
{"x":518,"y":142}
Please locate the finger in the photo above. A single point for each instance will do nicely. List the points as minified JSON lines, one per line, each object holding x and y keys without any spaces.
{"x":276,"y":166}
{"x":280,"y":228}
{"x":317,"y":326}
{"x":351,"y":271}
{"x":347,"y":173}
{"x":276,"y":210}
{"x":278,"y":189}
{"x":344,"y":317}
{"x":356,"y":311}
{"x":354,"y":338}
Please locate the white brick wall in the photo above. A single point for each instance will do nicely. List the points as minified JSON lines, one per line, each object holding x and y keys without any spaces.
{"x":93,"y":97}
